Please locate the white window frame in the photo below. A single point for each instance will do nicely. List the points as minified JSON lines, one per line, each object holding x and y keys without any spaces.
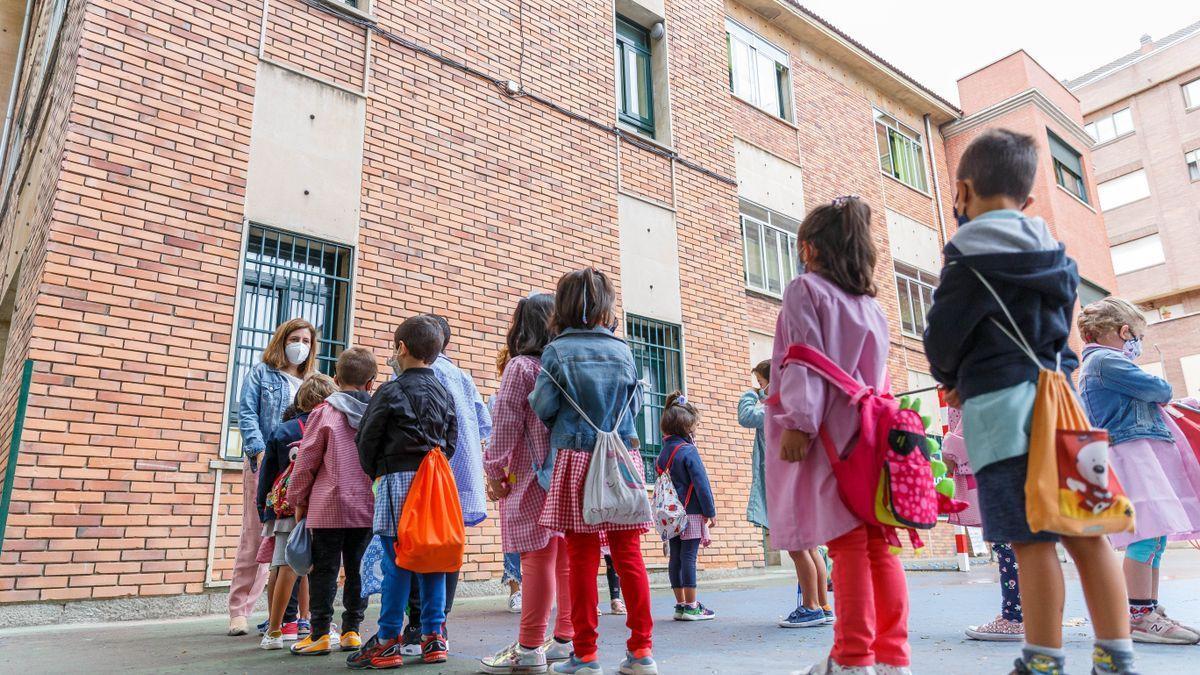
{"x":1124,"y":189}
{"x":1192,"y":159}
{"x":787,"y":258}
{"x":1191,"y":94}
{"x":1117,"y":124}
{"x":914,"y":277}
{"x":760,"y":51}
{"x":1149,"y":253}
{"x":915,"y":143}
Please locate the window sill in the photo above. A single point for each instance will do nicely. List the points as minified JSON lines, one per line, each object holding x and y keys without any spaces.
{"x":640,"y":136}
{"x":900,"y":182}
{"x":352,"y":12}
{"x":1113,"y":140}
{"x":911,"y":335}
{"x":226,"y":464}
{"x":1174,"y":318}
{"x":1141,"y":269}
{"x":760,"y":111}
{"x":765,"y":295}
{"x":1086,"y":205}
{"x":1136,"y":201}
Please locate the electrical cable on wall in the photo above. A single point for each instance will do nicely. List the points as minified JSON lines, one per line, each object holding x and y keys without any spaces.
{"x":521,"y":92}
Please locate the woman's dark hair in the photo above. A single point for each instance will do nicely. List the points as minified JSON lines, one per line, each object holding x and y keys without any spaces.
{"x":842,"y":248}
{"x":763,"y":369}
{"x":584,"y":299}
{"x":679,"y":417}
{"x":530,"y":328}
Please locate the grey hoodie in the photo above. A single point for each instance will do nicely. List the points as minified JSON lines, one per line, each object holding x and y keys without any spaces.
{"x":352,"y":403}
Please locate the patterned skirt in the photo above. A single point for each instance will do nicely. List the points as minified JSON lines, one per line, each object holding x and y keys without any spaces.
{"x":563,"y":511}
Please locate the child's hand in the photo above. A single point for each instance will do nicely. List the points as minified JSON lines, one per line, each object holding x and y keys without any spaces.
{"x":712,"y":522}
{"x":498,"y":488}
{"x":300,"y":513}
{"x":793,"y":445}
{"x":952,"y":398}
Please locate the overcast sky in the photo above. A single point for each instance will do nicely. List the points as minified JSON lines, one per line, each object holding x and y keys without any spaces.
{"x":939,"y":41}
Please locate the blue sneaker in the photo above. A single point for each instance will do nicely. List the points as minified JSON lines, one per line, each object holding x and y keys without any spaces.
{"x":802,"y":617}
{"x":303,"y":628}
{"x":638,"y":666}
{"x":829,"y":617}
{"x":573,"y":666}
{"x":262,"y":627}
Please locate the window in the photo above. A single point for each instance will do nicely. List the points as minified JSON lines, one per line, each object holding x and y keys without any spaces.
{"x":1191,"y":94}
{"x":769,"y":241}
{"x":1137,"y":254}
{"x":1111,"y":126}
{"x":1089,"y":293}
{"x":901,"y":154}
{"x":286,"y":276}
{"x":1123,"y":190}
{"x":1193,"y":164}
{"x":636,"y":99}
{"x":915,"y":288}
{"x":759,"y":72}
{"x":1068,"y":167}
{"x":658,"y":355}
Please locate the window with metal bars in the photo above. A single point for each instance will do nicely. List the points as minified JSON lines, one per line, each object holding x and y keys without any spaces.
{"x":287,"y":276}
{"x":658,"y":354}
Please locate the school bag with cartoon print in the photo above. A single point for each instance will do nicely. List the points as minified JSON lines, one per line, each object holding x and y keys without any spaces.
{"x":670,"y":515}
{"x":886,"y":478}
{"x":277,"y":499}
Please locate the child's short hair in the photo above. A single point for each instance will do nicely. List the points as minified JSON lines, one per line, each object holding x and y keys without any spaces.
{"x":1000,"y":162}
{"x":679,"y":417}
{"x":1107,"y":315}
{"x":840,"y":234}
{"x":584,"y":299}
{"x":445,"y":326}
{"x":356,"y":367}
{"x":423,"y":336}
{"x":763,"y":369}
{"x":315,"y":389}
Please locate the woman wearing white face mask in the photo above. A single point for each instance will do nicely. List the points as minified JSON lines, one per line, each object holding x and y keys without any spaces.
{"x":269,"y":388}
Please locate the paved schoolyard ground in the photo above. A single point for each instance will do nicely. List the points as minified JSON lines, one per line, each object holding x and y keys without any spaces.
{"x":743,"y":640}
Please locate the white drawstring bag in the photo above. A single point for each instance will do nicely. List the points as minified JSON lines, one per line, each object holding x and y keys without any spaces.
{"x":614,"y":489}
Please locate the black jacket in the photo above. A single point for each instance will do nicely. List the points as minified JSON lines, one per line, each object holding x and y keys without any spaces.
{"x":407,"y":418}
{"x":275,"y":459}
{"x":1036,"y":280}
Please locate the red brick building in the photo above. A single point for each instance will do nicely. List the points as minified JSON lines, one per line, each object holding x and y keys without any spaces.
{"x":181,"y":176}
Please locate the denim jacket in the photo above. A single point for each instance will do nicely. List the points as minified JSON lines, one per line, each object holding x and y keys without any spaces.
{"x":260,"y":407}
{"x":596,"y":369}
{"x":1121,"y":397}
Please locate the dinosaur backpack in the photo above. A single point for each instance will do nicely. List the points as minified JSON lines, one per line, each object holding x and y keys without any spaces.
{"x":277,"y":498}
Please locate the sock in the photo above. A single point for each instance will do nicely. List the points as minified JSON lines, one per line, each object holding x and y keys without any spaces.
{"x":1113,"y":656}
{"x":527,"y":649}
{"x":561,"y":641}
{"x":826,"y":608}
{"x":1138,"y":607}
{"x":1032,"y":653}
{"x":692,"y":605}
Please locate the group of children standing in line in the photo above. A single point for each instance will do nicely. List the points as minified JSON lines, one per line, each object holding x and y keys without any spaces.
{"x":567,"y":377}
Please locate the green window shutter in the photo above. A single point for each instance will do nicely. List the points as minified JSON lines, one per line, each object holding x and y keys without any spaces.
{"x":1065,"y":154}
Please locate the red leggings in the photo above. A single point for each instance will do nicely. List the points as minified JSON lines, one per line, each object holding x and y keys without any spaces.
{"x":544,"y":579}
{"x":871,"y":598}
{"x":584,"y":552}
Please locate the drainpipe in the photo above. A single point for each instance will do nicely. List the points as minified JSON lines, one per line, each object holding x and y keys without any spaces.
{"x":16,"y":82}
{"x":937,"y":187}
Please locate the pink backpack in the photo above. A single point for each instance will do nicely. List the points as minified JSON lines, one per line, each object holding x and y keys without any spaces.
{"x":885,"y":479}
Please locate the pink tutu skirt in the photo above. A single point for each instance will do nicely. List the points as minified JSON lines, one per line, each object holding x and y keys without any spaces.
{"x":1162,"y":478}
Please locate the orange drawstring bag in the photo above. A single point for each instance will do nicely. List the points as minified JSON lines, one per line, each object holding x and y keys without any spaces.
{"x":430,"y":536}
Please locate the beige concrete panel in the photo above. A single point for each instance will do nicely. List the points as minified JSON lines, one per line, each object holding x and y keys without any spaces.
{"x":649,"y":260}
{"x":913,"y":242}
{"x":768,"y":180}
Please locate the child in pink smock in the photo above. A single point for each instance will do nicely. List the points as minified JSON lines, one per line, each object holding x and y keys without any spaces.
{"x":832,"y":308}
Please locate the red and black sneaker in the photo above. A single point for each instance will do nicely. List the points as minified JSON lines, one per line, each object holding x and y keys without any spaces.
{"x":376,"y":654}
{"x":434,"y":648}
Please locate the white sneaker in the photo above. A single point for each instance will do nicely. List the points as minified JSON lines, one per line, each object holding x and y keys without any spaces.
{"x":556,"y":651}
{"x":514,"y":660}
{"x":828,"y":667}
{"x":885,"y":669}
{"x":334,"y":636}
{"x":237,"y":626}
{"x":514,"y":602}
{"x":271,"y":641}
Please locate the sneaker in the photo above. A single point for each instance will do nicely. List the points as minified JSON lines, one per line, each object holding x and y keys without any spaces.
{"x":291,"y":631}
{"x":828,"y":667}
{"x":303,"y":627}
{"x":1109,"y":662}
{"x":885,"y":669}
{"x":802,"y":617}
{"x":1158,"y":609}
{"x":573,"y":666}
{"x":335,"y":638}
{"x":679,"y":607}
{"x":599,"y":610}
{"x":643,"y":665}
{"x":376,"y":655}
{"x":1038,"y":664}
{"x":349,"y":641}
{"x":999,"y":629}
{"x":434,"y":649}
{"x":262,"y":627}
{"x":272,"y":641}
{"x":410,"y":641}
{"x":555,"y":650}
{"x":515,"y":659}
{"x":829,"y":617}
{"x":1157,"y":628}
{"x":701,"y":613}
{"x":618,"y":606}
{"x":237,"y":626}
{"x":311,"y":647}
{"x":514,"y":602}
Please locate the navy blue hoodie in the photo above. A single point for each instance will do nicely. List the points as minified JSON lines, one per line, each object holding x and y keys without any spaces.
{"x":687,"y":470}
{"x":1038,"y":283}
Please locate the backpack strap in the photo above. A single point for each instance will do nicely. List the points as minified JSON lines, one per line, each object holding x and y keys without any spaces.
{"x":620,"y":418}
{"x":827,"y":369}
{"x":665,"y":469}
{"x":301,"y":423}
{"x":1015,"y":333}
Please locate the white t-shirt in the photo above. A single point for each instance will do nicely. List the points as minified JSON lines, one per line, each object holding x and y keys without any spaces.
{"x":293,"y":385}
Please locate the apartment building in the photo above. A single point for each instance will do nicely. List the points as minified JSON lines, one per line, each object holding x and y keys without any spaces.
{"x":180,"y":177}
{"x":1143,"y":114}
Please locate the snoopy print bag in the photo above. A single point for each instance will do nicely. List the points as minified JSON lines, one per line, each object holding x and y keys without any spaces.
{"x":1069,"y":487}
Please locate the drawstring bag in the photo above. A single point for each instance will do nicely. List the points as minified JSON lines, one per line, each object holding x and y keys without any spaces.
{"x":1069,"y":487}
{"x":298,"y":553}
{"x":670,"y":515}
{"x":431,"y":537}
{"x":614,"y":489}
{"x":370,"y":570}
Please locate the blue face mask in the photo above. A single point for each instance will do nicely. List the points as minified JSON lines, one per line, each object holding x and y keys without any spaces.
{"x":1133,"y":348}
{"x":962,"y":218}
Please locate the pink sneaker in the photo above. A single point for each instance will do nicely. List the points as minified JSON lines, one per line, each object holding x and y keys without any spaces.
{"x":291,"y":632}
{"x":999,"y":629}
{"x":1155,"y":627}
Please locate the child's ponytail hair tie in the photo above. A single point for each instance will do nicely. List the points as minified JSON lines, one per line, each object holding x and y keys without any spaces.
{"x":840,"y":202}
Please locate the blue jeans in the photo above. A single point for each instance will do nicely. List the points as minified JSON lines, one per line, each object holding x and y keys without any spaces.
{"x":397,"y":583}
{"x":682,"y":566}
{"x":512,"y":568}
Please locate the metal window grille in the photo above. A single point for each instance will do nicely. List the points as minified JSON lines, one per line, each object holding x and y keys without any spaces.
{"x":658,"y":354}
{"x":287,"y":276}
